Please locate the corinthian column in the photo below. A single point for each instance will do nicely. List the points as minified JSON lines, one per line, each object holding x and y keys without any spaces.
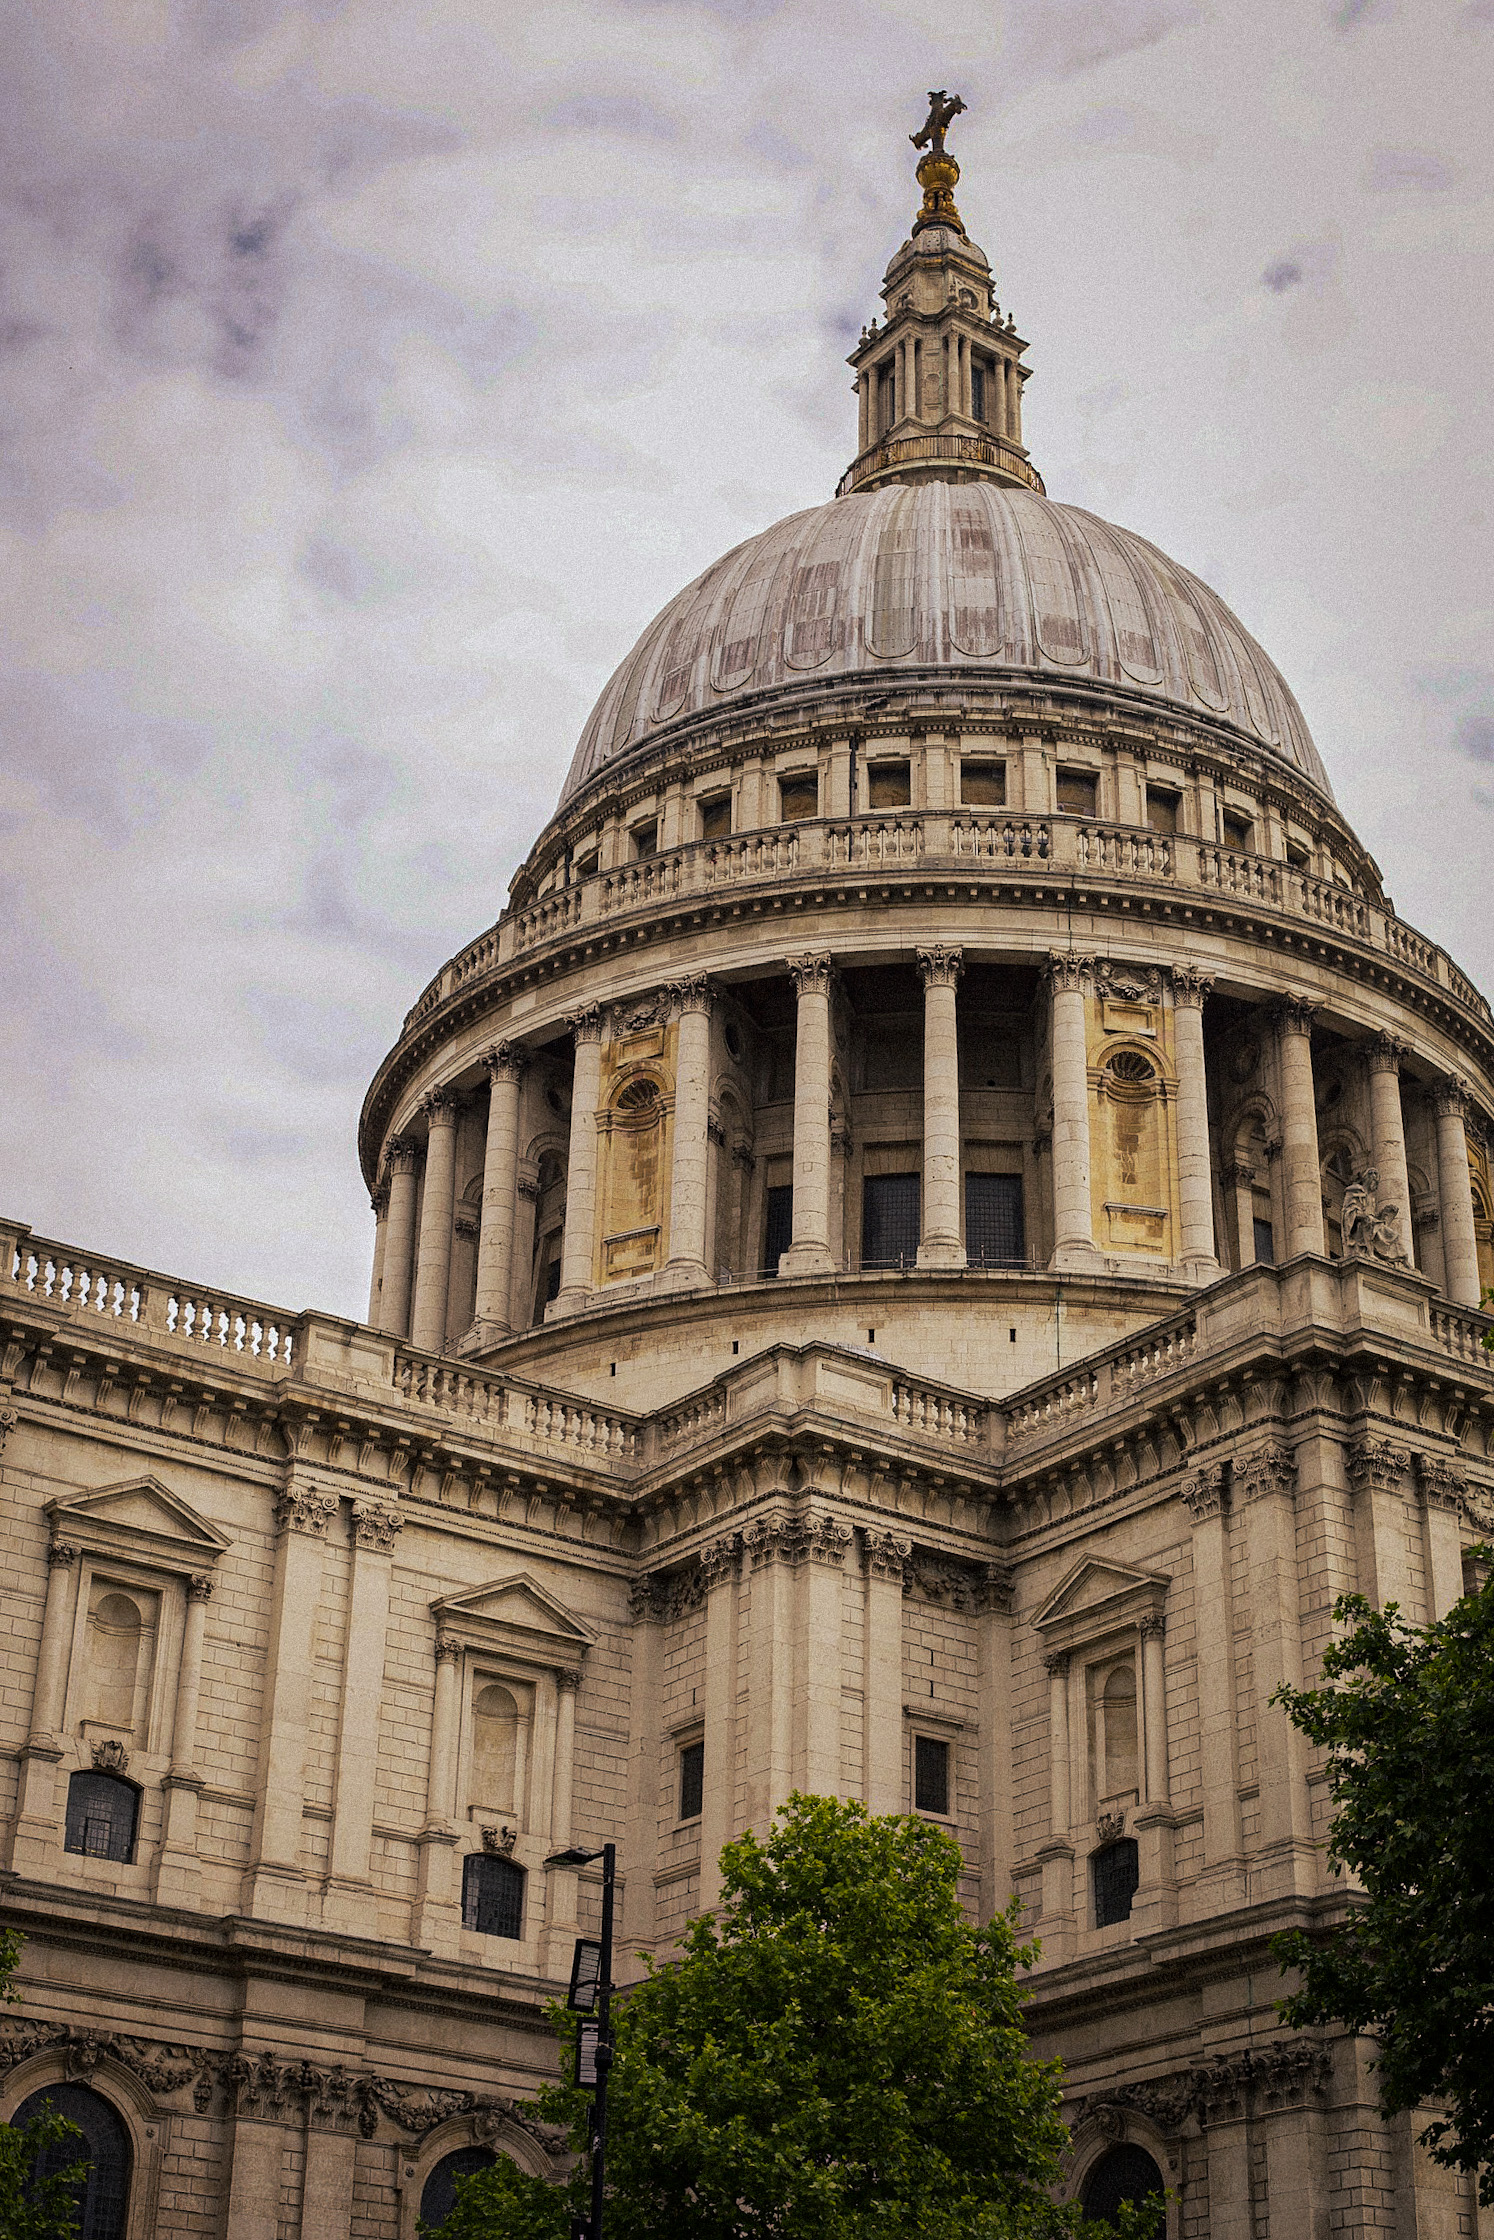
{"x":398,"y":1265}
{"x":1299,"y":1128}
{"x":178,"y":1871}
{"x":1073,"y":1212}
{"x":380,"y":1204}
{"x":1190,"y":987}
{"x":689,"y":1174}
{"x":1384,"y":1057}
{"x":809,"y":1251}
{"x":506,"y":1063}
{"x":1459,"y":1240}
{"x":581,"y":1175}
{"x":437,"y":1207}
{"x":939,"y":1241}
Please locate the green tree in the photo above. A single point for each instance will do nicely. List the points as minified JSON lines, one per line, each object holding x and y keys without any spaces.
{"x":1407,"y":1718}
{"x":32,"y":2208}
{"x":837,"y":2054}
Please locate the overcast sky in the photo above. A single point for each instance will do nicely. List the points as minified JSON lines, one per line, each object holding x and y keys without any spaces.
{"x":371,"y":373}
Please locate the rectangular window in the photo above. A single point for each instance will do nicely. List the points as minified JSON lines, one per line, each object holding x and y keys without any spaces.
{"x":780,"y":1225}
{"x":995,"y":1232}
{"x":889,"y":785}
{"x":885,"y":378}
{"x":692,"y":1780}
{"x":645,"y":838}
{"x":798,"y":797}
{"x":1077,"y":792}
{"x":1162,"y":811}
{"x":492,"y":1896}
{"x":1265,"y":1243}
{"x":1298,"y":857}
{"x":715,"y":817}
{"x":1237,"y":832}
{"x":890,"y":1220}
{"x":930,"y":1775}
{"x":586,"y":866}
{"x":977,"y":390}
{"x":983,"y":785}
{"x":1117,"y":1874}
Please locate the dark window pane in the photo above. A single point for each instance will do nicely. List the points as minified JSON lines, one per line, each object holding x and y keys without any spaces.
{"x":1121,"y":2174}
{"x":101,"y":1813}
{"x":1265,"y":1243}
{"x":1162,"y":811}
{"x":492,"y":1896}
{"x":645,"y":839}
{"x":105,"y":2147}
{"x":889,"y":1220}
{"x":977,"y":391}
{"x":1237,"y":832}
{"x":715,"y":817}
{"x":1076,"y":792}
{"x":1117,"y":1871}
{"x":995,"y":1232}
{"x":798,"y":797}
{"x":889,"y":785}
{"x":438,"y":2195}
{"x":983,"y":784}
{"x":692,"y":1780}
{"x":780,"y":1225}
{"x":930,"y":1775}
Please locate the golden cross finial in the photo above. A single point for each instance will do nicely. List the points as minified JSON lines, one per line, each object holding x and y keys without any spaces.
{"x":938,"y":173}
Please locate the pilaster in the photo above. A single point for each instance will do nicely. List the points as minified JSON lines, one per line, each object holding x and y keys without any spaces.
{"x":275,"y":1886}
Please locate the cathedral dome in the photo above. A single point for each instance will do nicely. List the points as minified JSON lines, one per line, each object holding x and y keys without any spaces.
{"x":946,"y":575}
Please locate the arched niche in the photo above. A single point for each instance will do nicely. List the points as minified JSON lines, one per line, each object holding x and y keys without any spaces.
{"x":635,"y":1128}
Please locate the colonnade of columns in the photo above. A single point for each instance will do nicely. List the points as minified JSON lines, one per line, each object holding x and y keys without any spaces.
{"x":413,"y":1268}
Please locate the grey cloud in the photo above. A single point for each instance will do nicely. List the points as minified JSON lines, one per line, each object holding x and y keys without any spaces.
{"x":1285,"y":273}
{"x":1064,"y":37}
{"x":1474,"y":735}
{"x":1392,"y":168}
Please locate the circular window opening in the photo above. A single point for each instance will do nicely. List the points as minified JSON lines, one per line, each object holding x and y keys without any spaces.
{"x":1122,"y":2174}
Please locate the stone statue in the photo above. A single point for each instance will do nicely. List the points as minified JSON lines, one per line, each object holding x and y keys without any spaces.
{"x":1371,"y":1231}
{"x":943,"y":109}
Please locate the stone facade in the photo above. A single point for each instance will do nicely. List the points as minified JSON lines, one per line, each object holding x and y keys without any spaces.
{"x":941,"y":1229}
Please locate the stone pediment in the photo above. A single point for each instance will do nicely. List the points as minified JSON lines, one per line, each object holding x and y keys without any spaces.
{"x":518,"y":1616}
{"x":1097,"y":1597}
{"x":139,"y":1518}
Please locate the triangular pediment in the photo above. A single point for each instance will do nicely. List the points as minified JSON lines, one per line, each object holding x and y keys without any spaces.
{"x":138,"y":1512}
{"x":1097,"y":1589}
{"x":515,"y":1608}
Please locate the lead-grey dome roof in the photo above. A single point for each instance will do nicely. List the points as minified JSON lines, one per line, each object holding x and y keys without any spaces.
{"x":945,"y":575}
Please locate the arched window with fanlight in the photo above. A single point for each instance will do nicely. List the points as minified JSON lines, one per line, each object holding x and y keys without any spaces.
{"x":103,"y":1812}
{"x":1136,"y":1190}
{"x":103,"y":2202}
{"x":1123,"y":2175}
{"x":438,"y":2195}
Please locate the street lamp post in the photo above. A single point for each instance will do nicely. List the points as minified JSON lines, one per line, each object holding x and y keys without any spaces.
{"x":591,"y":1992}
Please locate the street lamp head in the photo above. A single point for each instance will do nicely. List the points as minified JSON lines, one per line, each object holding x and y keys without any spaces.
{"x":572,"y":1856}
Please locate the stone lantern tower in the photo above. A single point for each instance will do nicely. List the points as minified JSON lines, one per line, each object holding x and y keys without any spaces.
{"x":941,"y":1226}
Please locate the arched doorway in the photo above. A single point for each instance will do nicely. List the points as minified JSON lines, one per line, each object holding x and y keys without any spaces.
{"x":105,"y":2148}
{"x":1122,"y":2174}
{"x":438,"y":2194}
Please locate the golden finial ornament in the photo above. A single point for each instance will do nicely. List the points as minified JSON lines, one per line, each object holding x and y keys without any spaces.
{"x":938,"y":174}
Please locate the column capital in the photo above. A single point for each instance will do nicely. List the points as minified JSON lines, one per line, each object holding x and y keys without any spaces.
{"x":997,"y":1591}
{"x":939,"y":967}
{"x":811,"y":974}
{"x":1294,"y":1015}
{"x":1450,"y":1096}
{"x":200,"y":1586}
{"x":1442,"y":1487}
{"x":1056,"y":1663}
{"x":885,"y":1554}
{"x":61,"y":1554}
{"x":448,"y":1650}
{"x":302,"y":1509}
{"x":1190,"y":987}
{"x":692,"y":993}
{"x":466,"y":1225}
{"x":567,"y":1679}
{"x":401,"y":1153}
{"x":440,"y":1108}
{"x":1386,"y":1053}
{"x":528,"y":1186}
{"x":1153,"y":1626}
{"x":1204,"y":1491}
{"x":586,"y":1024}
{"x":1242,"y":1173}
{"x":720,"y":1560}
{"x":378,"y":1200}
{"x":1271,"y":1469}
{"x":506,"y":1061}
{"x":1068,"y":974}
{"x":715,"y":1133}
{"x":1377,"y":1464}
{"x":375,"y":1525}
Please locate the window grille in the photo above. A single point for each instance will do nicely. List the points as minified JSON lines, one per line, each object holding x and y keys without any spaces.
{"x":492,"y":1896}
{"x":438,"y":2195}
{"x":1117,"y":1872}
{"x":930,"y":1775}
{"x":890,"y":1220}
{"x":780,"y":1225}
{"x":995,"y":1231}
{"x":692,"y":1780}
{"x":102,"y":2208}
{"x":102,"y":1812}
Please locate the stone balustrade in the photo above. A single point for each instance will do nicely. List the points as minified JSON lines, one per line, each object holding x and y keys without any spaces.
{"x":912,"y":840}
{"x":153,"y":1306}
